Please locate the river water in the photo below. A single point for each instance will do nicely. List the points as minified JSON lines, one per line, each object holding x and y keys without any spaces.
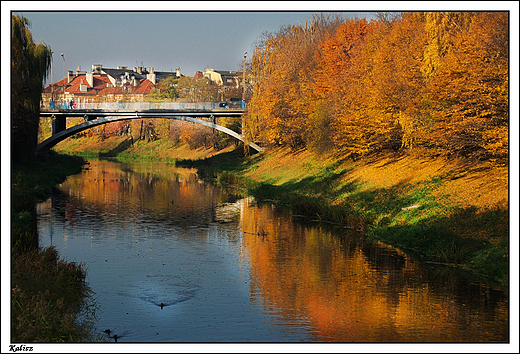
{"x":228,"y":270}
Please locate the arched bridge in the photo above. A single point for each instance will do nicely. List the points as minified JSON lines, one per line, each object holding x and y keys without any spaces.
{"x":101,"y":113}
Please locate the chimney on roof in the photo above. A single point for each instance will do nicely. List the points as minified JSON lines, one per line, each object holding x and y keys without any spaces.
{"x":70,"y":76}
{"x":90,"y":79}
{"x":150,"y":70}
{"x":151,"y":77}
{"x":178,"y":72}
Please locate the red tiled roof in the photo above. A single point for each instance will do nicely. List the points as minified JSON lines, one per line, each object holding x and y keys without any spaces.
{"x":57,"y":84}
{"x":110,"y":91}
{"x":145,"y":87}
{"x":101,"y":82}
{"x":75,"y":86}
{"x":101,"y":86}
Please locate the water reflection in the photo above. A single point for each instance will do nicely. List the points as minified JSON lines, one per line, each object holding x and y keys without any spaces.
{"x":226,"y":269}
{"x":353,"y":291}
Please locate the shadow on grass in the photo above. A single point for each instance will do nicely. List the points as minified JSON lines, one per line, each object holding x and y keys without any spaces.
{"x":124,"y":145}
{"x":234,"y":161}
{"x":459,"y":238}
{"x":462,"y":237}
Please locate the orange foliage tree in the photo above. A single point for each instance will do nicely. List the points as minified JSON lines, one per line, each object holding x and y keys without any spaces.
{"x":335,"y":65}
{"x":469,"y":90}
{"x":283,"y":66}
{"x":434,"y":80}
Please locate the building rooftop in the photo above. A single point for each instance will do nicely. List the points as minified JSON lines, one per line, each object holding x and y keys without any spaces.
{"x":102,"y":85}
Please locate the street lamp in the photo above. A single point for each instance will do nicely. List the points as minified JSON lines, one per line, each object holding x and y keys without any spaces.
{"x":63,"y":64}
{"x":243,"y":103}
{"x":64,"y":82}
{"x":52,"y":79}
{"x":244,"y":79}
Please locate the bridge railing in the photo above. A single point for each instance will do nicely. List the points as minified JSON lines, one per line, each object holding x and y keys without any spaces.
{"x":134,"y":106}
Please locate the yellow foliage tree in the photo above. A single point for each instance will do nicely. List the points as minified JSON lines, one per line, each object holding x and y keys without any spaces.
{"x":283,"y":67}
{"x":469,"y":91}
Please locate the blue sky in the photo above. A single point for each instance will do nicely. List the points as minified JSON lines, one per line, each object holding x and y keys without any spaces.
{"x":163,"y":40}
{"x":205,"y":34}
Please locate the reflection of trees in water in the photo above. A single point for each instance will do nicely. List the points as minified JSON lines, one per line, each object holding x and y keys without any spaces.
{"x":443,"y":281}
{"x":352,"y":290}
{"x":156,"y":195}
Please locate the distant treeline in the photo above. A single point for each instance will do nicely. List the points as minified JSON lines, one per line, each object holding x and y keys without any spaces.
{"x":436,"y":81}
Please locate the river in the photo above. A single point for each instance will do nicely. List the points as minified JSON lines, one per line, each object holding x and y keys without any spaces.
{"x":172,"y":259}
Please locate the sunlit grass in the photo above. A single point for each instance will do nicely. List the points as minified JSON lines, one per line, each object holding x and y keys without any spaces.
{"x":123,"y":148}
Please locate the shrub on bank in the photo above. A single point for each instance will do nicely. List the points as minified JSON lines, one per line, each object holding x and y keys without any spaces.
{"x":47,"y":296}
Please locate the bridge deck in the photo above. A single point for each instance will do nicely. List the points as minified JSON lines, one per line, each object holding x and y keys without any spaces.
{"x":142,"y":106}
{"x":145,"y":113}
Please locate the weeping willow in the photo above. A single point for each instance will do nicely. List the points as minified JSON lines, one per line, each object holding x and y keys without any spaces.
{"x":30,"y":63}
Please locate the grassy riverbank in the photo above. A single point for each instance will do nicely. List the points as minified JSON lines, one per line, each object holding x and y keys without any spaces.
{"x":124,"y":149}
{"x":48,"y":294}
{"x":451,"y":212}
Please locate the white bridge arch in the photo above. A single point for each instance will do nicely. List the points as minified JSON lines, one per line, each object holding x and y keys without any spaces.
{"x":103,"y":117}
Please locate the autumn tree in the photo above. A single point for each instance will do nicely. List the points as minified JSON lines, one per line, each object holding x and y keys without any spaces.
{"x":191,"y":89}
{"x":397,"y":82}
{"x":166,"y":90}
{"x":30,"y":62}
{"x":197,"y":136}
{"x":339,"y":117}
{"x":431,"y":80}
{"x":283,"y":65}
{"x":470,"y":86}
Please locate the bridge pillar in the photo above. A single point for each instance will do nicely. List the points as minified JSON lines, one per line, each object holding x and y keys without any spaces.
{"x":213,"y":121}
{"x":58,"y":124}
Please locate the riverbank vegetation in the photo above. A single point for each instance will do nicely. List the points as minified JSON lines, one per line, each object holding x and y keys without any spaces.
{"x":124,"y":148}
{"x":48,"y":295}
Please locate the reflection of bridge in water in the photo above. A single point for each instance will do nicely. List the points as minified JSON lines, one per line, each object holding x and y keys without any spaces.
{"x":96,"y":114}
